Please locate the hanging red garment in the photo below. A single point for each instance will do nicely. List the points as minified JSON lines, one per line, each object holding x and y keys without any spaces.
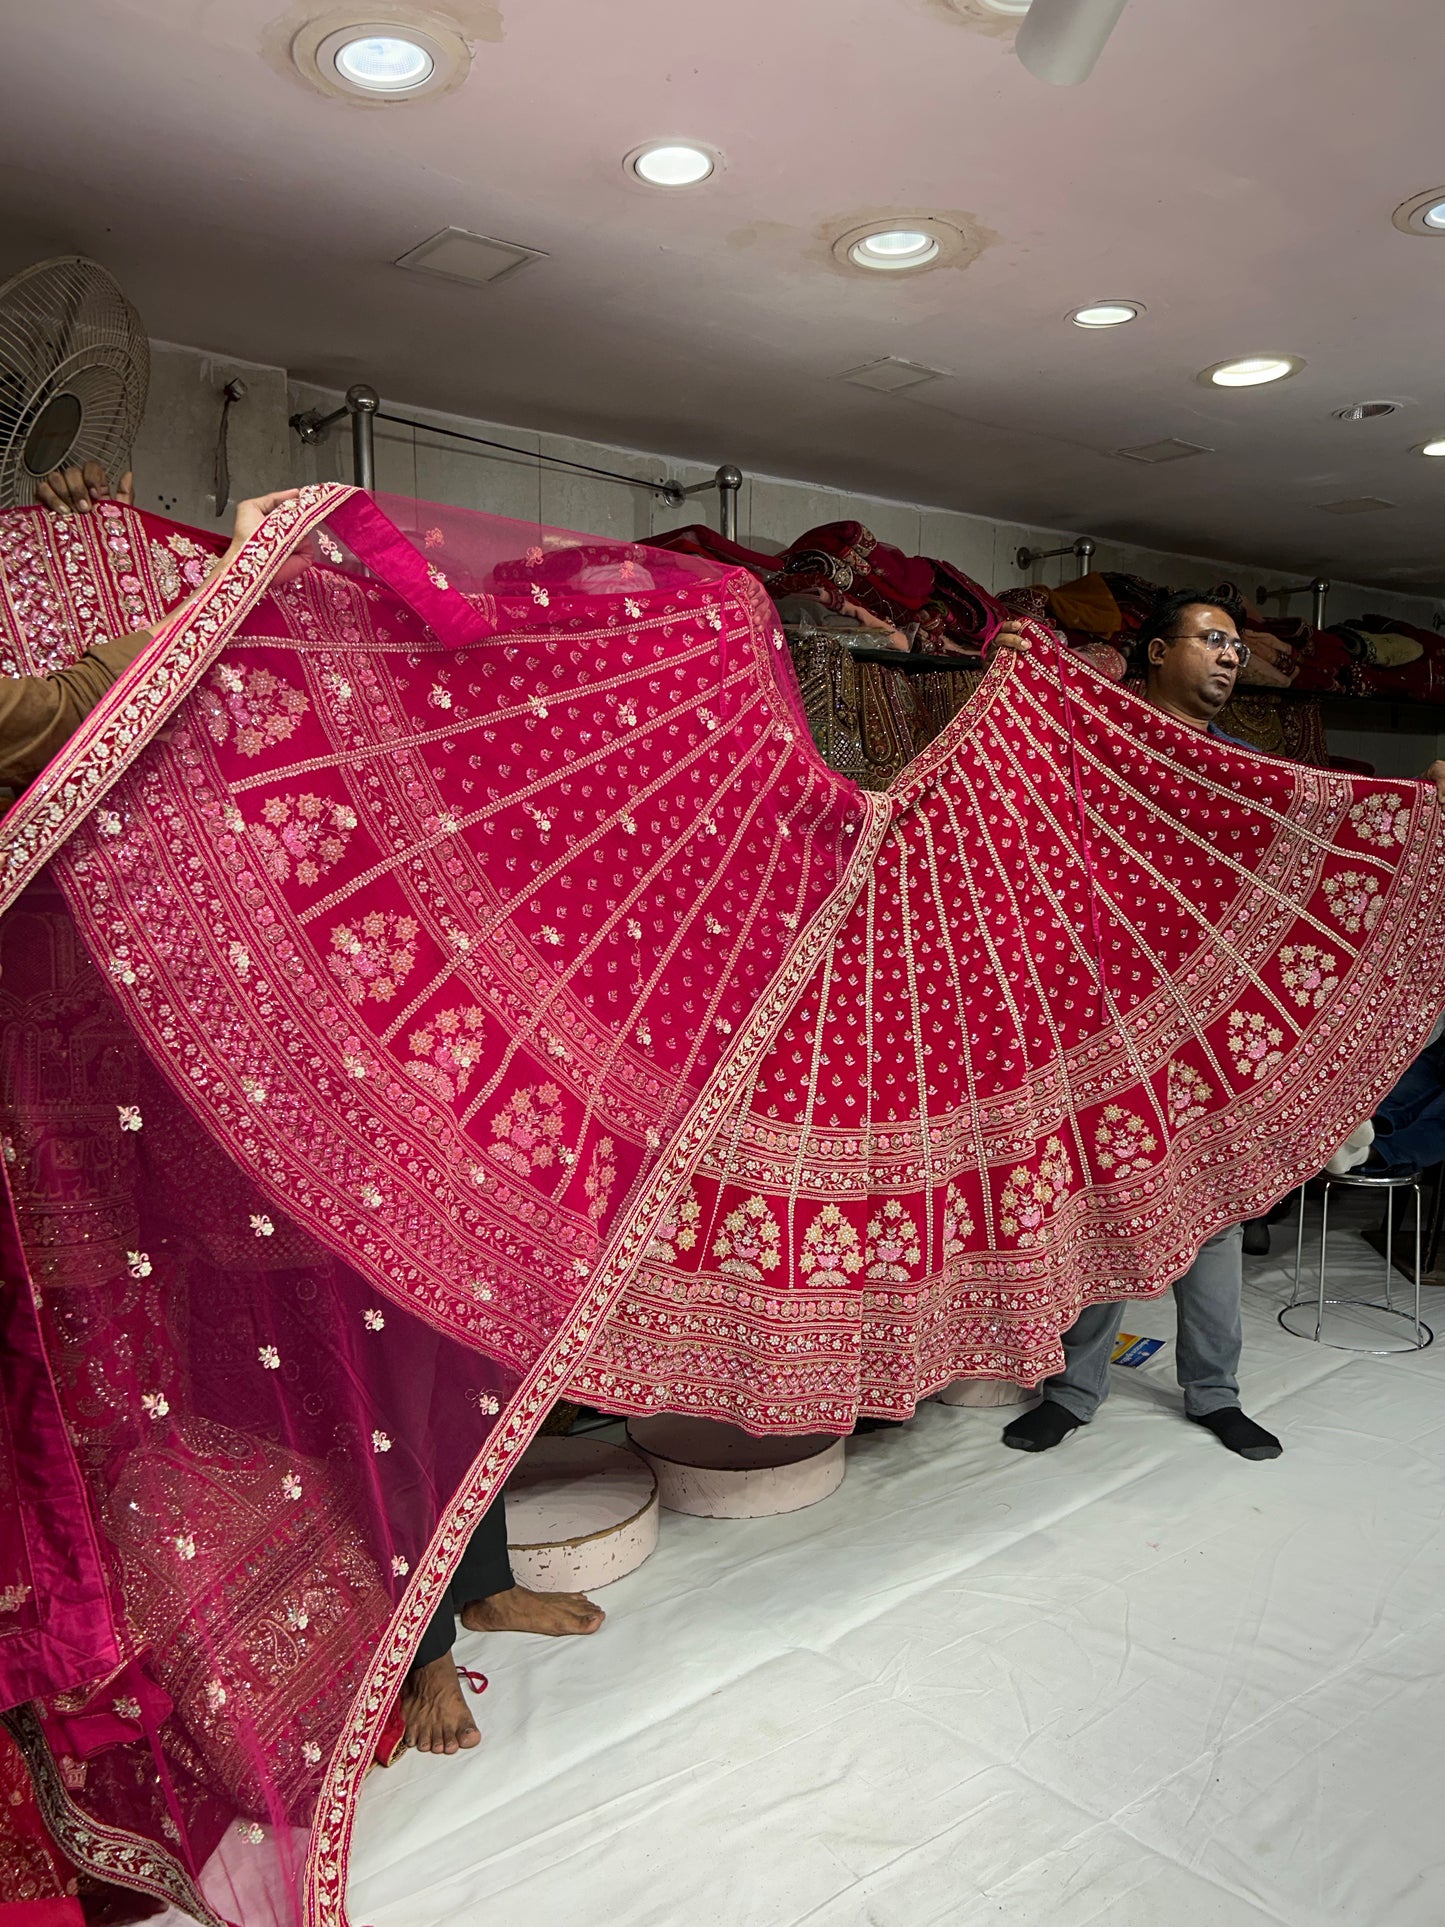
{"x":442,"y":974}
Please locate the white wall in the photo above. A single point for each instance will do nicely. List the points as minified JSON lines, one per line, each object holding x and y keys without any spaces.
{"x":175,"y":462}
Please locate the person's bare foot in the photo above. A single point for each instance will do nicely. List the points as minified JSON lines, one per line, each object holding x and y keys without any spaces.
{"x":437,"y":1720}
{"x":519,"y":1611}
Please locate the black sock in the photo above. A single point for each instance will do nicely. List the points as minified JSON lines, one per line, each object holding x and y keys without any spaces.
{"x":1241,"y":1434}
{"x":1040,"y":1430}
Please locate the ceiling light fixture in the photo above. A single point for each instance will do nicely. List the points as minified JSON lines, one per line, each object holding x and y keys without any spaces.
{"x":893,"y":248}
{"x":1366,"y":411}
{"x":671,"y":163}
{"x":1250,"y":371}
{"x":1422,"y":214}
{"x":1106,"y":314}
{"x":1435,"y":447}
{"x":385,"y":57}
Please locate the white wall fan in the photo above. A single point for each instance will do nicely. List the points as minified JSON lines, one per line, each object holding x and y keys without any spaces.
{"x":74,"y":369}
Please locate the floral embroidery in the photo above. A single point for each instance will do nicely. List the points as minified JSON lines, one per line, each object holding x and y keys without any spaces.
{"x":527,"y":1128}
{"x":401,"y":1567}
{"x":676,"y":1229}
{"x":1029,"y":1196}
{"x":375,"y":957}
{"x":1383,"y":820}
{"x":290,"y":1485}
{"x":380,"y":1442}
{"x":264,"y":709}
{"x":138,"y":1263}
{"x":446,"y":1050}
{"x":748,"y":1244}
{"x":893,"y":1246}
{"x":185,"y":1544}
{"x":109,"y":822}
{"x":126,"y":1708}
{"x":73,"y":1771}
{"x":374,"y":1320}
{"x":1123,"y":1143}
{"x":155,"y":1404}
{"x":240,"y":958}
{"x":216,"y":1695}
{"x":1354,"y":901}
{"x":311,"y":1752}
{"x":269,"y":1357}
{"x":600,"y":1179}
{"x":13,"y":1597}
{"x":439,"y":696}
{"x":486,"y":1402}
{"x":130,"y":1118}
{"x":830,"y":1251}
{"x":957,"y":1222}
{"x":1306,"y":972}
{"x":251,"y":1831}
{"x":307,"y":830}
{"x":261,"y":1225}
{"x":551,"y":934}
{"x":1254,"y":1042}
{"x":1188,"y":1093}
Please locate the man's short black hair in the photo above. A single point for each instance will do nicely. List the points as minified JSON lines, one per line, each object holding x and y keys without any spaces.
{"x":1163,"y":618}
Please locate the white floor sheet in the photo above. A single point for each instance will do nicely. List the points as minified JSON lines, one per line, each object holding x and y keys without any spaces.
{"x":1135,"y":1681}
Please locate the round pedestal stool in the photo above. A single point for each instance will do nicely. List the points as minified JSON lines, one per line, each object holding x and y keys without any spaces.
{"x":715,"y":1471}
{"x":987,"y":1392}
{"x":580,"y":1514}
{"x":1368,"y":1316}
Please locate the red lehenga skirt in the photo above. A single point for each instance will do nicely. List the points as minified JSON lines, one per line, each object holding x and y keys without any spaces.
{"x":442,"y":975}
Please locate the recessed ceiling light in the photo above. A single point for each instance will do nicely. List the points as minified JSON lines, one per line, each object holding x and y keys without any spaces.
{"x":1251,"y":371}
{"x":894,"y":247}
{"x":1107,"y":314}
{"x":391,"y":58}
{"x":1422,"y":213}
{"x":1436,"y":447}
{"x":384,"y":63}
{"x":671,"y":163}
{"x":1366,"y":411}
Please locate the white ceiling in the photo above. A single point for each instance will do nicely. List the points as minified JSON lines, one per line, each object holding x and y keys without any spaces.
{"x":1232,"y":163}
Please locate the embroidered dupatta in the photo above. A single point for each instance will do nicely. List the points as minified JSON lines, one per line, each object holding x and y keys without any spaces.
{"x":456,"y":979}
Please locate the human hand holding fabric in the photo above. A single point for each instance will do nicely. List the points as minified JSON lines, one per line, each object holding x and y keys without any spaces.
{"x":1436,"y":775}
{"x":77,"y":490}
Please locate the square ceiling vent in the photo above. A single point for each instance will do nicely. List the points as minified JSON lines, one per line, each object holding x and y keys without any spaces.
{"x":1356,"y":505}
{"x":1165,"y":451}
{"x":887,"y":376}
{"x":455,"y":255}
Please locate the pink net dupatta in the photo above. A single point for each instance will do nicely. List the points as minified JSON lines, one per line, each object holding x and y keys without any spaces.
{"x":457,"y":979}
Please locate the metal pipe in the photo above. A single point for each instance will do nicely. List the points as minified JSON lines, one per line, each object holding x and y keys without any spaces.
{"x":362,"y":404}
{"x":1083,"y":549}
{"x":729,"y":487}
{"x":1319,"y":593}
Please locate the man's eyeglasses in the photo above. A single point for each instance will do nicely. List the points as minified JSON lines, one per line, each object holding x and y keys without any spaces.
{"x":1216,"y":640}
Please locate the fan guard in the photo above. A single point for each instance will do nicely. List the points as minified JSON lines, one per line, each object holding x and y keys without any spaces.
{"x":74,"y":369}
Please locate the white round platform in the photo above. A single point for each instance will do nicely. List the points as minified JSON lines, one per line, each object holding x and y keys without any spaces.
{"x":990,"y":1392}
{"x":714,"y":1471}
{"x":580,"y":1514}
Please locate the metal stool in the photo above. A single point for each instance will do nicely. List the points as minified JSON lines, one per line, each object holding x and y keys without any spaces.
{"x":1387,"y":1183}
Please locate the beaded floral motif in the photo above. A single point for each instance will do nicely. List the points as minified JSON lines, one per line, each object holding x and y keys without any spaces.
{"x":1254,"y":1043}
{"x":528,"y":1128}
{"x":262,"y":708}
{"x":1307,"y":973}
{"x":748,"y":1244}
{"x":600,"y":1179}
{"x":1189,"y":1092}
{"x":309,"y":831}
{"x":676,"y":1229}
{"x":1382,"y":820}
{"x":1353,"y":901}
{"x":446,"y":1050}
{"x":1029,"y":1196}
{"x":893,"y":1252}
{"x":374,"y":957}
{"x":1123,"y":1143}
{"x":831,"y":1251}
{"x":957,"y":1222}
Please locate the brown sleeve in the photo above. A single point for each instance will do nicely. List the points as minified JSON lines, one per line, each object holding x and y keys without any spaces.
{"x":38,"y":713}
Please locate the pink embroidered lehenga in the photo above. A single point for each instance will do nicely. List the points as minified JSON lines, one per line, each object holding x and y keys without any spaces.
{"x":443,"y":975}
